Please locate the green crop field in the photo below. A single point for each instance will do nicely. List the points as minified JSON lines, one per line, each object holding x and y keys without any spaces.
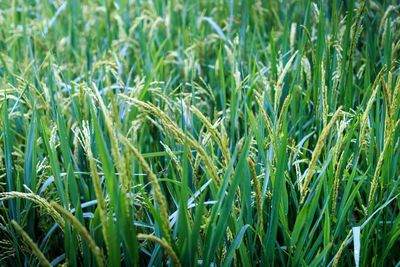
{"x":199,"y":133}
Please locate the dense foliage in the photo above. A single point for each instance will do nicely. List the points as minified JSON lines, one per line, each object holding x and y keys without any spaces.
{"x":185,"y":133}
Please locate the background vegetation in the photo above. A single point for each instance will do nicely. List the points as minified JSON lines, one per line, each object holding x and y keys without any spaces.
{"x":199,"y":133}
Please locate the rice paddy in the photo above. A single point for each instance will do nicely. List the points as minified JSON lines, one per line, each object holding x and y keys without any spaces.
{"x":199,"y":133}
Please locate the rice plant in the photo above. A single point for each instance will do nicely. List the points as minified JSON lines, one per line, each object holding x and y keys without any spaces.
{"x":199,"y":133}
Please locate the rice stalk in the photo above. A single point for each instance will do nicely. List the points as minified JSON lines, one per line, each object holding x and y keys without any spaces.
{"x":174,"y":158}
{"x":101,"y":205}
{"x":282,"y":114}
{"x":267,"y":121}
{"x":336,"y":184}
{"x":83,"y":232}
{"x":325,"y":107}
{"x":279,"y":83}
{"x":114,"y":142}
{"x":158,"y":195}
{"x":224,"y":146}
{"x":395,"y":99}
{"x":42,"y":202}
{"x":178,"y":134}
{"x":364,"y":123}
{"x":258,"y":193}
{"x":341,"y":249}
{"x":34,"y":248}
{"x":165,"y":245}
{"x":316,"y":153}
{"x":390,"y":126}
